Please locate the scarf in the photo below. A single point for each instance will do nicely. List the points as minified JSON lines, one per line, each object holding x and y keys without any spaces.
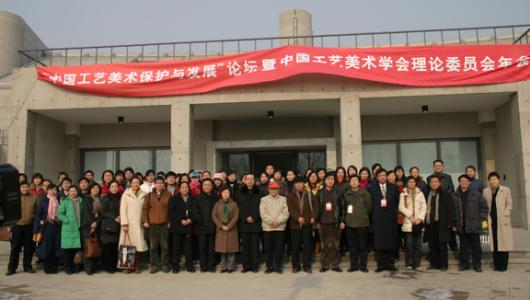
{"x":226,"y":213}
{"x":412,"y":195}
{"x":52,"y":209}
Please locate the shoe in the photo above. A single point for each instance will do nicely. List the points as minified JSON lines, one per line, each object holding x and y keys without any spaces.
{"x":212,"y":270}
{"x":279,"y":271}
{"x":308,"y":270}
{"x":175,"y":270}
{"x":224,"y":271}
{"x":443,"y":269}
{"x":462,"y":268}
{"x":230,"y":271}
{"x":127,"y":271}
{"x":30,"y":270}
{"x":166,"y":269}
{"x":268,"y":271}
{"x":153,"y":270}
{"x":337,"y":269}
{"x":418,"y":269}
{"x":9,"y":273}
{"x":323,"y":270}
{"x":392,"y":269}
{"x":364,"y":270}
{"x":352,"y":269}
{"x":478,"y":269}
{"x":190,"y":270}
{"x":409,"y":268}
{"x":379,"y":270}
{"x":296,"y":270}
{"x":245,"y":270}
{"x":256,"y":270}
{"x":204,"y":270}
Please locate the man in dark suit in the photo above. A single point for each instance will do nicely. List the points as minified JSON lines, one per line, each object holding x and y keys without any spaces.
{"x":385,"y":199}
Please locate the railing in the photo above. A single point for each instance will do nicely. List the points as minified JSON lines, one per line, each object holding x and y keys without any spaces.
{"x":510,"y":34}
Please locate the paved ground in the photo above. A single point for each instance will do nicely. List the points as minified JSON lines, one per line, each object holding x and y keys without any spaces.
{"x":514,"y":284}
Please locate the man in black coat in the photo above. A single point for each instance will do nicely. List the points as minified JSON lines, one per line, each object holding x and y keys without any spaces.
{"x":447,"y":186}
{"x":385,"y":199}
{"x":180,"y":210}
{"x":441,"y":221}
{"x":248,"y":199}
{"x":202,"y":219}
{"x":471,"y":211}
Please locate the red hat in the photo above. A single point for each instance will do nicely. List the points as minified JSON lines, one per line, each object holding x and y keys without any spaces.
{"x":273,"y":185}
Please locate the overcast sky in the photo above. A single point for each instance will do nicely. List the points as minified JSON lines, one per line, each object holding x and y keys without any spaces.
{"x":62,"y":23}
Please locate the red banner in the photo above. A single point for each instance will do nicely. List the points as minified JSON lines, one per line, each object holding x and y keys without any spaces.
{"x":406,"y":66}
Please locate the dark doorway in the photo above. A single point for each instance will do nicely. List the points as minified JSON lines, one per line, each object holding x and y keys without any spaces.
{"x":283,"y":160}
{"x":255,"y":161}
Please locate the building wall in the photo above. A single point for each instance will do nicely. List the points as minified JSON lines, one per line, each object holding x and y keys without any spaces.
{"x":49,"y":146}
{"x":125,"y":135}
{"x":278,"y":128}
{"x":420,"y":126}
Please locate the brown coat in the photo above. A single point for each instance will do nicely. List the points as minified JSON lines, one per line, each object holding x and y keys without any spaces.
{"x":155,"y":210}
{"x":504,"y":221}
{"x":226,"y":241}
{"x":310,"y":210}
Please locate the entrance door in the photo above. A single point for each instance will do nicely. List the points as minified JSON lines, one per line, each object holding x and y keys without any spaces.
{"x":283,"y":160}
{"x":255,"y":161}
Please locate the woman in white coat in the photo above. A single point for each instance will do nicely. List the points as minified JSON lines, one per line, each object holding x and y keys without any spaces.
{"x":132,"y":232}
{"x":413,"y":206}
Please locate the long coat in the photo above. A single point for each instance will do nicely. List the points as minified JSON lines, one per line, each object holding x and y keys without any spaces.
{"x":248,"y":202}
{"x":70,"y":230}
{"x":384,"y":224}
{"x":51,"y":240}
{"x":131,"y":214}
{"x":180,"y":210}
{"x":202,"y":213}
{"x":226,"y":241}
{"x":504,"y":222}
{"x":446,"y":217}
{"x":109,"y":232}
{"x":88,"y":216}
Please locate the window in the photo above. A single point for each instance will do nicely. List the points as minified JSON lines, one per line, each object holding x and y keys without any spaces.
{"x":313,"y":160}
{"x":456,"y":154}
{"x":239,"y":162}
{"x":383,"y":153}
{"x":99,"y":161}
{"x":140,"y":160}
{"x":419,"y":154}
{"x":3,"y":137}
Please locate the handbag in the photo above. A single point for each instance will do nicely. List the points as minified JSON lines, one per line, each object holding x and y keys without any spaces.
{"x":5,"y":233}
{"x":37,"y":237}
{"x":109,"y":226}
{"x":126,"y":254}
{"x":92,"y":246}
{"x":78,"y":258}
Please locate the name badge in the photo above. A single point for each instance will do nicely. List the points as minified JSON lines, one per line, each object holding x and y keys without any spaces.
{"x":383,"y":202}
{"x":350,"y":209}
{"x":328,"y":206}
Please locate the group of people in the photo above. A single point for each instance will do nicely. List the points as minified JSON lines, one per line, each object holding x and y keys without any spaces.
{"x":222,"y":221}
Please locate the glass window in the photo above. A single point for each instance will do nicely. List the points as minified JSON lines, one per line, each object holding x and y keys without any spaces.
{"x":457,"y":155}
{"x":420,"y":154}
{"x":139,"y":160}
{"x":383,"y":153}
{"x":99,"y":161}
{"x":311,"y":160}
{"x":163,"y":160}
{"x":239,"y":162}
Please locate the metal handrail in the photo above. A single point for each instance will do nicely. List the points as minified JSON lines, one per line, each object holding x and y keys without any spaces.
{"x":33,"y":55}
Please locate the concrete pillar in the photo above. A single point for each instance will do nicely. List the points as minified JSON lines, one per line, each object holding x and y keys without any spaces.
{"x":20,"y":142}
{"x":72,"y":161}
{"x":488,"y":140}
{"x":181,"y":130}
{"x":350,"y":131}
{"x":296,"y":22}
{"x":521,"y":120}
